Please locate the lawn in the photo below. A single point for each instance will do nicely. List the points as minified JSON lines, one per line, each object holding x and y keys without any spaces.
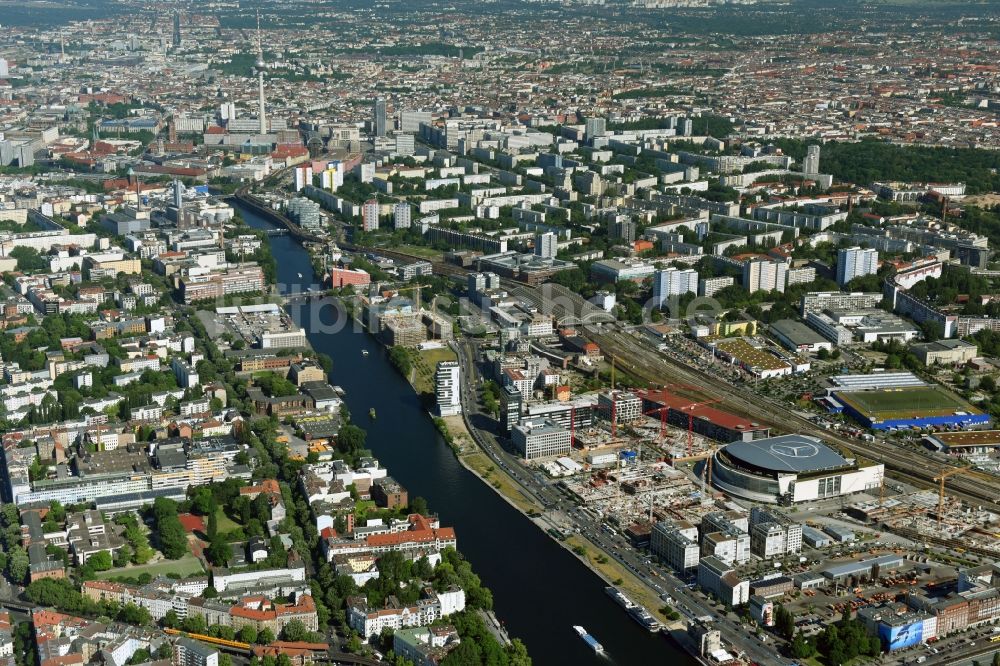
{"x":225,"y":523}
{"x":612,"y":570}
{"x":428,"y":253}
{"x":499,"y":479}
{"x":425,"y":364}
{"x":186,"y":566}
{"x":900,"y":403}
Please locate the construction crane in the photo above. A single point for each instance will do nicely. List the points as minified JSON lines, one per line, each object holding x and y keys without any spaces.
{"x":662,"y":412}
{"x":690,"y":411}
{"x":951,"y":471}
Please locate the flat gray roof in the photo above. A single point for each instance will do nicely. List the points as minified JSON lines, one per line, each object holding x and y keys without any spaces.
{"x":787,"y":453}
{"x":796,"y":332}
{"x":862,"y":566}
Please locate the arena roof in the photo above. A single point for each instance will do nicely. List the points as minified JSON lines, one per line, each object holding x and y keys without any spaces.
{"x":787,"y":453}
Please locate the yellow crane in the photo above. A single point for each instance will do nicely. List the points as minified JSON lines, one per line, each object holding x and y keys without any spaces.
{"x":951,"y":471}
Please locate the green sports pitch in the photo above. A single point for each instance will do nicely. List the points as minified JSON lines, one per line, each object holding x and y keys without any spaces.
{"x":901,"y":403}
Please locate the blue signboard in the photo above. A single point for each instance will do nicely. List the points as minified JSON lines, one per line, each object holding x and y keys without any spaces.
{"x":901,"y":636}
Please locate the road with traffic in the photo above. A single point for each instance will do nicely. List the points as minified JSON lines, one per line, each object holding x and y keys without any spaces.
{"x":561,"y":512}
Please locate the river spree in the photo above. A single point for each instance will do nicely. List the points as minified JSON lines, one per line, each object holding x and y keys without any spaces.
{"x":540,"y":590}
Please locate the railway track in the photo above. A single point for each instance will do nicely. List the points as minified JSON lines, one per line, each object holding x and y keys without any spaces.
{"x":649,"y":365}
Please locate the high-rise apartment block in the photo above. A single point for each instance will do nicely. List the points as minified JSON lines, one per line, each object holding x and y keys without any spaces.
{"x":448,"y":387}
{"x":855,"y":262}
{"x":369,"y":215}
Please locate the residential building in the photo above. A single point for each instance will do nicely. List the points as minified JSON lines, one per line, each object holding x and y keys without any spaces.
{"x":189,"y":652}
{"x":369,"y":621}
{"x":673,"y":282}
{"x":764,"y":275}
{"x":369,"y":215}
{"x":402,"y":215}
{"x":425,"y":646}
{"x":448,"y":387}
{"x":546,"y":245}
{"x":855,"y":262}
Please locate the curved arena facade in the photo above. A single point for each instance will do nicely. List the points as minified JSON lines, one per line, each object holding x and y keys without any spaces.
{"x":789,"y":469}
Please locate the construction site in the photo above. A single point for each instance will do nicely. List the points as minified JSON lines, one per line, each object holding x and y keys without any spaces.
{"x":924,"y":517}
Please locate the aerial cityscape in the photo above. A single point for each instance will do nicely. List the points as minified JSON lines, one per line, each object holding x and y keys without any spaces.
{"x":501,"y":333}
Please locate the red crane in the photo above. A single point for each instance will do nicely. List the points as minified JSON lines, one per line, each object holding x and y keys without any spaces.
{"x":690,"y":410}
{"x":662,"y":411}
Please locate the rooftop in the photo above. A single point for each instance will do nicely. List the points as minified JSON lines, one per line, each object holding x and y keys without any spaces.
{"x":787,"y":453}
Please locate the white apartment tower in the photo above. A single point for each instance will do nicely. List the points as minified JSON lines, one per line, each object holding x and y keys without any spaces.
{"x":855,"y":262}
{"x":369,"y":215}
{"x":766,"y":275}
{"x":448,"y":386}
{"x":546,"y":245}
{"x":673,"y":282}
{"x":811,"y":162}
{"x":401,"y":215}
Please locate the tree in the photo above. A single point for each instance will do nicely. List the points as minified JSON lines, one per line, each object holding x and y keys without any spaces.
{"x":465,"y":653}
{"x":351,"y":440}
{"x":169,"y":531}
{"x":18,"y":565}
{"x":218,"y":552}
{"x":801,"y":648}
{"x":265,"y":636}
{"x":294,"y":631}
{"x":225,"y":660}
{"x":419,"y":505}
{"x":932,"y":330}
{"x":248,"y":634}
{"x":784,"y":622}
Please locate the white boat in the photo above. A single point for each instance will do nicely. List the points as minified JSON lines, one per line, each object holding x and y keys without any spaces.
{"x":588,"y":639}
{"x":364,"y":352}
{"x":300,"y":276}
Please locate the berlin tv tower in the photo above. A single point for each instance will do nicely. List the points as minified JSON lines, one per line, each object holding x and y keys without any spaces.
{"x":260,"y":79}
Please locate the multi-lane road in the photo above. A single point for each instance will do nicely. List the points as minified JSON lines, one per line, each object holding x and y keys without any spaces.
{"x":561,"y":512}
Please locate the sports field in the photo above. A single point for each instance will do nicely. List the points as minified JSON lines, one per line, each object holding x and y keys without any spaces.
{"x":889,"y":404}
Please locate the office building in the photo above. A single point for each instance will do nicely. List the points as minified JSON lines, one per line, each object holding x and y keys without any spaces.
{"x":810,"y":165}
{"x":511,"y":404}
{"x":676,"y":545}
{"x":448,"y":387}
{"x":673,"y":282}
{"x":401,"y":215}
{"x":540,"y":438}
{"x":379,"y":120}
{"x":855,"y":262}
{"x":369,"y":215}
{"x":410,"y":121}
{"x":619,"y":406}
{"x":718,"y":579}
{"x":546,"y":245}
{"x":773,"y":534}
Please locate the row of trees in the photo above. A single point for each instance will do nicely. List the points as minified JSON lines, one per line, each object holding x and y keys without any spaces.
{"x":170,"y":533}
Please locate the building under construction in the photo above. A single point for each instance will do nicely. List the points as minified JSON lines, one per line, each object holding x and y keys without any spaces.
{"x":701,"y":417}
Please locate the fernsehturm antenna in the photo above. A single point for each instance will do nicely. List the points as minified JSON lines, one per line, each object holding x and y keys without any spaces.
{"x":260,"y":79}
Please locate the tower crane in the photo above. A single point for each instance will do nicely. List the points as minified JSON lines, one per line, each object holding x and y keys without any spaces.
{"x":690,"y":412}
{"x":940,"y":479}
